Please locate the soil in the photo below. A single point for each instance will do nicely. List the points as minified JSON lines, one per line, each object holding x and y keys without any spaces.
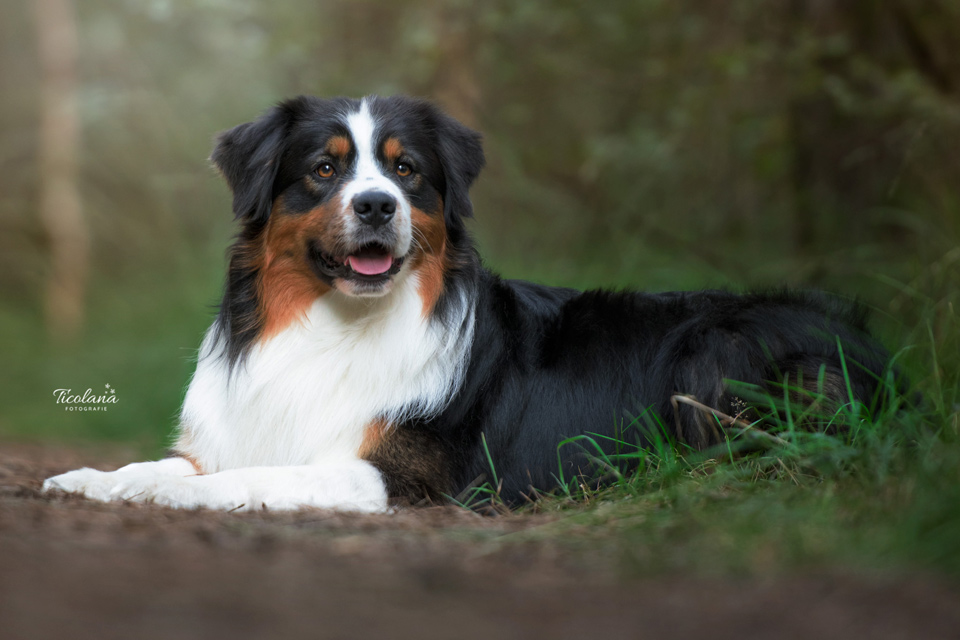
{"x":70,"y":568}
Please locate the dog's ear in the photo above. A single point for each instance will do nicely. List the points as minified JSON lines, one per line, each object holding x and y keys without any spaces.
{"x":461,"y":155}
{"x":248,"y":157}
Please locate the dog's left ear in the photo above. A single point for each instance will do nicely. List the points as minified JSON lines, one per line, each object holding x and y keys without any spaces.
{"x":248,"y":156}
{"x":461,"y":155}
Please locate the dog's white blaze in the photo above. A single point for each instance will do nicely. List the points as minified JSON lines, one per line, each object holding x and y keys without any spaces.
{"x":369,"y":176}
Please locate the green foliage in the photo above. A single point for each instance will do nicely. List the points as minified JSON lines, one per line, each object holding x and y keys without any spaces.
{"x":887,"y":503}
{"x":882,"y":496}
{"x":804,"y":486}
{"x":142,"y":338}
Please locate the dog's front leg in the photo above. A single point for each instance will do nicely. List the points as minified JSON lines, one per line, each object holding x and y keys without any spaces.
{"x":349,"y":485}
{"x":107,"y":485}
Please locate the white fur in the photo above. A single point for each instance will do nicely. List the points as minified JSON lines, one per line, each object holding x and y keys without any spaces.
{"x":306,"y":395}
{"x":369,"y":176}
{"x":107,"y":485}
{"x":352,"y":485}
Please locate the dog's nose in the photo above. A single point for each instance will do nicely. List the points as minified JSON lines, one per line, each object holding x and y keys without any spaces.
{"x":374,"y":208}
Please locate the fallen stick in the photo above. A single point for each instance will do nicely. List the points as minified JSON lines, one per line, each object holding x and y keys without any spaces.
{"x":724,"y":419}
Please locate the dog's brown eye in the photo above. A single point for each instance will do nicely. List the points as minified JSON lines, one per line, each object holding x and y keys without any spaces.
{"x":403,"y":170}
{"x":326,"y":170}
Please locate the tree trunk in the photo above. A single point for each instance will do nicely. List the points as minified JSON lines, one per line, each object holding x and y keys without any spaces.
{"x":60,"y":205}
{"x":455,"y":85}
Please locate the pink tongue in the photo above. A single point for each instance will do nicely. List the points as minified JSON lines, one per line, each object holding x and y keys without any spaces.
{"x":370,"y":265}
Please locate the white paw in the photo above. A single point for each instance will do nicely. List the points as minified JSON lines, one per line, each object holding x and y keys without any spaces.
{"x":348,"y":486}
{"x":345,"y":486}
{"x":91,"y":483}
{"x":193,"y":492}
{"x":148,"y":486}
{"x":122,"y":484}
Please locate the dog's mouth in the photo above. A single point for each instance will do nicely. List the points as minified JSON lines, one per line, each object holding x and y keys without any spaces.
{"x":372,"y":261}
{"x":370,"y":264}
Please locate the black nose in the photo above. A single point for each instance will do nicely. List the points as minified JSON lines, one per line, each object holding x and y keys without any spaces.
{"x":374,"y":208}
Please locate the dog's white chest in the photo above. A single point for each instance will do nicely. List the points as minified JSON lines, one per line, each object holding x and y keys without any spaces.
{"x":306,"y":395}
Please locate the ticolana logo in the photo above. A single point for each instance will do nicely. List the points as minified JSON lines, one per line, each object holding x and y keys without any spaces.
{"x":87,"y":401}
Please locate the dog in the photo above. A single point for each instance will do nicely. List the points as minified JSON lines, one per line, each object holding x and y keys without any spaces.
{"x":363,"y":355}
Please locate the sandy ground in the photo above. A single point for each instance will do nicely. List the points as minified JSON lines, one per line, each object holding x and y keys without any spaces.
{"x":76,"y":569}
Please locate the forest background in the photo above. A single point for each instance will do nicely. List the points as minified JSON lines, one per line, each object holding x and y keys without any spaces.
{"x":637,"y":144}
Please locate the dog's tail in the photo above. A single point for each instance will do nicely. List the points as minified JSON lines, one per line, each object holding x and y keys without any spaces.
{"x":798,"y":359}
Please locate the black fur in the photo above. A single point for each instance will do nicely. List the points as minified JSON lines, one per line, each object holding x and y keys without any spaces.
{"x":549,"y":364}
{"x":248,"y":156}
{"x":546,"y":363}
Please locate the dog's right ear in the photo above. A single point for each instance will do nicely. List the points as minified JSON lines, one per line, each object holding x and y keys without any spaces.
{"x":248,"y":157}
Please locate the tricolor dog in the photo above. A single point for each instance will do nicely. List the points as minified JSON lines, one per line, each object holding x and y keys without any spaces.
{"x":363,"y":353}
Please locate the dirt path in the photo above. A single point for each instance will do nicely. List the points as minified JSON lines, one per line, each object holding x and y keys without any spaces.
{"x":74,"y":569}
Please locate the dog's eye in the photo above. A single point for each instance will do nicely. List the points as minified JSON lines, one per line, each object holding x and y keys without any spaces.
{"x":326,"y":170}
{"x":403,"y":169}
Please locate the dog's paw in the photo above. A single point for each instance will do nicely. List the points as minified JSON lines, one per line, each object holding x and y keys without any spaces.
{"x":347,"y":486}
{"x":91,"y":483}
{"x":121,"y":484}
{"x":194,"y":492}
{"x":136,"y":485}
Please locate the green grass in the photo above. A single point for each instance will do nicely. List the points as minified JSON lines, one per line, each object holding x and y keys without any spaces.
{"x":141,"y":337}
{"x":886,"y":498}
{"x":881,"y":493}
{"x":838,"y":490}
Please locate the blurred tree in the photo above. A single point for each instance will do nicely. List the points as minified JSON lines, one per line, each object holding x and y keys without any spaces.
{"x":60,"y":205}
{"x":620,"y":135}
{"x":866,"y":73}
{"x":454,"y":82}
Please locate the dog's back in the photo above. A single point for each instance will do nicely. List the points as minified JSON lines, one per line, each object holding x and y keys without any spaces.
{"x":550,"y":364}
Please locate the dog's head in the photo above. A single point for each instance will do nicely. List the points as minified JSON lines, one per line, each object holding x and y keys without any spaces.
{"x":348,"y":194}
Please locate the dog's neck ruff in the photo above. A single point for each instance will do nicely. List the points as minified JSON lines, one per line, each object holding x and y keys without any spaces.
{"x":307,"y":394}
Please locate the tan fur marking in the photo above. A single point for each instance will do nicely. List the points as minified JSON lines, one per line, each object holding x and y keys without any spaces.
{"x":288,"y":285}
{"x":392,"y":149}
{"x":413,"y":463}
{"x":373,"y":437}
{"x":193,"y":461}
{"x":185,"y":444}
{"x":430,"y":286}
{"x":338,"y":146}
{"x":431,"y":261}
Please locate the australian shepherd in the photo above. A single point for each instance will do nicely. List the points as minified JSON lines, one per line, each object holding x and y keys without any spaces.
{"x":363,"y":354}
